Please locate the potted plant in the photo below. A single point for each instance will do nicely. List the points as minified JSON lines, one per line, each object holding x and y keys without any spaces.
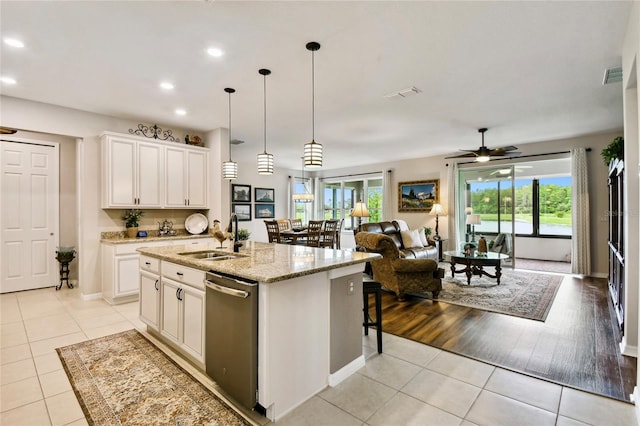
{"x":613,"y":151}
{"x":131,"y":218}
{"x":243,"y":234}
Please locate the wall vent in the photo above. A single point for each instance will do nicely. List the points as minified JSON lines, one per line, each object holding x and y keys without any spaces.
{"x":612,"y":75}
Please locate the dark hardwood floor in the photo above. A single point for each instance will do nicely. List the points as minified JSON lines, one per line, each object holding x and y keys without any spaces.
{"x":576,"y":346}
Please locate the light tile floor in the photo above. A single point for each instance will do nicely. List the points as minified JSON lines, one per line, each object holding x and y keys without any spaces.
{"x":409,"y":384}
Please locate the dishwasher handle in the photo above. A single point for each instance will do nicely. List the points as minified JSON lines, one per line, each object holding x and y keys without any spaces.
{"x":226,"y":290}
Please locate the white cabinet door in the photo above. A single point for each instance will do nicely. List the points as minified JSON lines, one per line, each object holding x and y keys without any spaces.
{"x":175,"y":192}
{"x":170,"y":325}
{"x":119,"y":163}
{"x":193,"y":321}
{"x":149,"y":175}
{"x":196,"y":179}
{"x":150,"y":299}
{"x":127,"y":275}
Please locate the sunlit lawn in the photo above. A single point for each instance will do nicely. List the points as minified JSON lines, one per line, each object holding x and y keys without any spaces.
{"x":548,"y":218}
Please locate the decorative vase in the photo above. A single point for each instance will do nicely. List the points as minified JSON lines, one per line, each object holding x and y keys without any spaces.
{"x":482,"y":245}
{"x":132,"y":232}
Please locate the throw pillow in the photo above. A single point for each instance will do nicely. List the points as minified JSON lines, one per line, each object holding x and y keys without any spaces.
{"x":423,"y":238}
{"x":411,"y":238}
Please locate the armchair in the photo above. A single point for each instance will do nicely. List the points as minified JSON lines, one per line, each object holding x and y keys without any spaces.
{"x":401,"y":275}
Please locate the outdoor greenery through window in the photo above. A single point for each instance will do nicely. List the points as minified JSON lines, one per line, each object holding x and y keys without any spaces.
{"x":340,"y":196}
{"x":539,"y":205}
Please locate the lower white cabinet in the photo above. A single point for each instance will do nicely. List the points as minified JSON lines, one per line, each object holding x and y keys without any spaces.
{"x":121,"y":268}
{"x":182,"y":309}
{"x":150,"y":300}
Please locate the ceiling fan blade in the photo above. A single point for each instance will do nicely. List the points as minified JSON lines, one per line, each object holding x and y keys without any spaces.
{"x":467,"y":155}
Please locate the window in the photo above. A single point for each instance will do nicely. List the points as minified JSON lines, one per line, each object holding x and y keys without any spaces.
{"x":538,"y":199}
{"x":303,"y":211}
{"x":340,"y":196}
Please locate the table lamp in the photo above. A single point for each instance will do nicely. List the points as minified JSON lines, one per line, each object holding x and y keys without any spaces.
{"x":437,"y":210}
{"x":473,"y":220}
{"x":360,"y":210}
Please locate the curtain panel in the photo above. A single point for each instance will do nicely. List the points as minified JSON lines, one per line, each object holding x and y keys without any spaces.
{"x":581,"y":241}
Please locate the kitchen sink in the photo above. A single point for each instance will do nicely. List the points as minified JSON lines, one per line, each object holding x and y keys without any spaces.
{"x":209,"y":255}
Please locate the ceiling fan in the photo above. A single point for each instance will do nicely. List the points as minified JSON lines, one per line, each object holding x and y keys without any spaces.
{"x":483,"y":153}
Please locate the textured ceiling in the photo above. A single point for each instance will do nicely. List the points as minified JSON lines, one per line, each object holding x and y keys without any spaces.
{"x":529,"y":71}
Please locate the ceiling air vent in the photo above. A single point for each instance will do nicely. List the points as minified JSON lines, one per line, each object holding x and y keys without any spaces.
{"x":404,"y":93}
{"x":612,"y":75}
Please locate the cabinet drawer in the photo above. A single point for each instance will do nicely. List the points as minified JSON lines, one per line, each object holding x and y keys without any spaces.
{"x":150,"y":264}
{"x":197,"y":244}
{"x":183,"y":274}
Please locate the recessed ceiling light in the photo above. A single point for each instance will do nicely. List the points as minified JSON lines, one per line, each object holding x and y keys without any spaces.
{"x":215,"y":52}
{"x":181,"y":111}
{"x":13,"y":42}
{"x":8,"y":80}
{"x":167,"y":86}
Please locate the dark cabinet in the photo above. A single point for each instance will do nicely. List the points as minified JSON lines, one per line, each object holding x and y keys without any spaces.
{"x":616,"y":238}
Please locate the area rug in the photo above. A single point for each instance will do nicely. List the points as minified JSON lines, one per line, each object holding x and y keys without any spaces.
{"x":522,"y":294}
{"x":123,"y":379}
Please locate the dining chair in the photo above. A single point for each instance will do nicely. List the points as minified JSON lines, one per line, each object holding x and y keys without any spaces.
{"x":273,"y":231}
{"x":295,"y":223}
{"x":338,"y":231}
{"x":314,"y":232}
{"x":283,"y":224}
{"x":328,"y":237}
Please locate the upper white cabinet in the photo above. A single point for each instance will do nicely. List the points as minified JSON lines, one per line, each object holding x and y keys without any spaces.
{"x":185,"y":178}
{"x":139,"y":173}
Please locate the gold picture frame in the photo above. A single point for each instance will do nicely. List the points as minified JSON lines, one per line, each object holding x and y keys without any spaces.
{"x":418,"y":196}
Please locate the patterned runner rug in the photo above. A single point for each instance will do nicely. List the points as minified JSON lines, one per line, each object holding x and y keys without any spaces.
{"x":522,"y":294}
{"x":123,"y":379}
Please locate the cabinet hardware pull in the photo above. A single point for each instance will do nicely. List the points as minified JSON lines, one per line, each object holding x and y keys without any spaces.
{"x":179,"y":273}
{"x":147,"y":263}
{"x":156,"y":285}
{"x":179,"y":294}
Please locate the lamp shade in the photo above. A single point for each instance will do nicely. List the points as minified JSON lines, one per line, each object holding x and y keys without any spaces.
{"x":474,"y":219}
{"x":302,"y":198}
{"x":437,"y":210}
{"x":360,"y":210}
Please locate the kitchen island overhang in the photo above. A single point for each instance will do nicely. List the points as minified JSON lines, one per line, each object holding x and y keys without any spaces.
{"x":309,"y":314}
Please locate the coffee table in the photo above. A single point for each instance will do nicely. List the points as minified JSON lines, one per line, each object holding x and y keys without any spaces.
{"x":474,"y":264}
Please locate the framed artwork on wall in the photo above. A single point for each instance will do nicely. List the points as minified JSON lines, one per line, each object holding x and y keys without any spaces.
{"x":418,"y":196}
{"x":242,"y":211}
{"x":240,"y":193}
{"x":265,"y":211}
{"x":264,"y":195}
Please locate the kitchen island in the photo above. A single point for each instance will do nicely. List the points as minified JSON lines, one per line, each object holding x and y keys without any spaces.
{"x":309,"y":312}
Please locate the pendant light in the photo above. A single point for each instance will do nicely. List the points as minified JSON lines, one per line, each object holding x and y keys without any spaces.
{"x":229,"y":168}
{"x":304,"y":197}
{"x":265,"y":160}
{"x":313,"y":150}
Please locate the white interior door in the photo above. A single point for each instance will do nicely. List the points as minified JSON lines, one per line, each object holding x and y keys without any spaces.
{"x":28,"y":215}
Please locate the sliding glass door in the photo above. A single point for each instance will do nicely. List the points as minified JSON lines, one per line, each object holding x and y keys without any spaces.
{"x":487,"y":204}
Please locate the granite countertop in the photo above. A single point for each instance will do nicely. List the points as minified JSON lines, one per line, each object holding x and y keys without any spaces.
{"x":263,"y":262}
{"x":121,"y":237}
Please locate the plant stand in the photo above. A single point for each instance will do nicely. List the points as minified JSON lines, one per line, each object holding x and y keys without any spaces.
{"x":64,"y":269}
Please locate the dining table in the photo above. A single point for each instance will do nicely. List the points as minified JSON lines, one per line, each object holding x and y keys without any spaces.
{"x":294,"y":236}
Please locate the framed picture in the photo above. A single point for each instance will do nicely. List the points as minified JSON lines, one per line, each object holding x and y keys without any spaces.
{"x":265,"y":211}
{"x":418,"y":196}
{"x":242,"y":211}
{"x":240,"y":193}
{"x":264,"y":195}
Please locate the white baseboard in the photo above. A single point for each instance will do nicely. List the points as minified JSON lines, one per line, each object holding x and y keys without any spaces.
{"x":635,"y":398}
{"x":628,"y":350}
{"x":93,"y":296}
{"x":346,"y":371}
{"x":599,"y":275}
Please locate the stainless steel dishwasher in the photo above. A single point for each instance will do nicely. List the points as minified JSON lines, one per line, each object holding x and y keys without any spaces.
{"x":231,"y":353}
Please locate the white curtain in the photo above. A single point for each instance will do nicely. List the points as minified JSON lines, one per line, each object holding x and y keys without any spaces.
{"x":580,"y":241}
{"x":387,"y":196}
{"x":452,"y":212}
{"x":290,"y":191}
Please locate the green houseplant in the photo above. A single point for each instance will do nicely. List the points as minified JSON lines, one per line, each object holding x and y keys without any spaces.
{"x":613,"y":151}
{"x":131,"y":218}
{"x":243,"y":234}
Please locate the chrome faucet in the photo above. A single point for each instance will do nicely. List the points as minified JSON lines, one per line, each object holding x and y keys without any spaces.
{"x":233,"y":228}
